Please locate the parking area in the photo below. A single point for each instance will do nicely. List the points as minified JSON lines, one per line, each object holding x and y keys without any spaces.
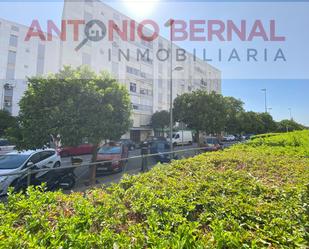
{"x":133,"y":166}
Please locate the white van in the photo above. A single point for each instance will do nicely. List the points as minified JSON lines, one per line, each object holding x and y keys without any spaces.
{"x":182,"y":137}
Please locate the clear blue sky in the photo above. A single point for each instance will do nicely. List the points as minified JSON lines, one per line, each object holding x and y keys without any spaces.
{"x":287,"y":83}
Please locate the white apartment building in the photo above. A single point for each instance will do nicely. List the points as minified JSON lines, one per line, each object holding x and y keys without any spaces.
{"x":19,"y":60}
{"x":147,"y":79}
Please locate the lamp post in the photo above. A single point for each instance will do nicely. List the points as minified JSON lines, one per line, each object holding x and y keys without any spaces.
{"x":265,"y":91}
{"x":290,"y":110}
{"x":170,"y":23}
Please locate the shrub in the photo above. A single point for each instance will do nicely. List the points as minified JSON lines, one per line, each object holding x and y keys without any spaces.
{"x":250,"y":196}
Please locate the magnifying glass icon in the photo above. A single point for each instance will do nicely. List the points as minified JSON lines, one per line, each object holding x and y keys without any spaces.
{"x":95,"y":30}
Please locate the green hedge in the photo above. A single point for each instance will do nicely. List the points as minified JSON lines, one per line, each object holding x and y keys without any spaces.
{"x":249,"y":196}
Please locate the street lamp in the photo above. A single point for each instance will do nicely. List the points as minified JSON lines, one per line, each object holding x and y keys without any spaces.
{"x":290,"y":109}
{"x":170,"y":23}
{"x":265,"y":91}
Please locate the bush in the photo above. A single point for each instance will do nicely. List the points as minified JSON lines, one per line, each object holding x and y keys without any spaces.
{"x":249,"y":196}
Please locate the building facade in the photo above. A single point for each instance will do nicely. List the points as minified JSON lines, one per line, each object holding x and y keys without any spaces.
{"x":143,"y":67}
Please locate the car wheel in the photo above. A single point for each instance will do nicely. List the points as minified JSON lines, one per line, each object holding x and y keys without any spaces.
{"x":121,"y":167}
{"x":69,"y":183}
{"x":57,"y":165}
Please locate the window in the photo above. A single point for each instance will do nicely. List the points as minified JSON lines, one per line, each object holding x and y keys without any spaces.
{"x":11,"y":57}
{"x":8,"y":101}
{"x":143,"y":91}
{"x":10,"y":73}
{"x":160,"y":83}
{"x":35,"y":158}
{"x":133,"y":87}
{"x":14,"y":28}
{"x":46,"y":154}
{"x":13,"y":41}
{"x":160,"y":67}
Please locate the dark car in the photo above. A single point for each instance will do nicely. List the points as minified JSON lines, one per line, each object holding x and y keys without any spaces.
{"x":212,"y":144}
{"x":159,"y":147}
{"x":152,"y":139}
{"x":129,"y":143}
{"x":114,"y":155}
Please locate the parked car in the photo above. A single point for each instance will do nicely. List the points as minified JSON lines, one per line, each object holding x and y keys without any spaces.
{"x":160,"y":147}
{"x":229,"y":138}
{"x":152,"y":139}
{"x":112,"y":152}
{"x":5,"y":146}
{"x":82,"y":149}
{"x":182,"y":137}
{"x":248,"y":136}
{"x":129,"y":143}
{"x":212,"y":144}
{"x":63,"y":178}
{"x":19,"y":162}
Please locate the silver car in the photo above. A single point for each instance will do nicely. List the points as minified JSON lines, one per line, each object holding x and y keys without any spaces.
{"x":18,"y":162}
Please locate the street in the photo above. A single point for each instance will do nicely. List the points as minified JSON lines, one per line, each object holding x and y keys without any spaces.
{"x":132,"y":167}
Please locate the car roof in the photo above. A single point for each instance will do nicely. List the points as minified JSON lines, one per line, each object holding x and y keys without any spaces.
{"x":28,"y":152}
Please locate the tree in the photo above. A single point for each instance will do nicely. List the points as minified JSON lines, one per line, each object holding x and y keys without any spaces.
{"x":269,"y":125}
{"x":74,"y":104}
{"x":250,"y":122}
{"x":289,"y":125}
{"x":234,"y":107}
{"x":160,"y":120}
{"x":201,"y":111}
{"x":6,"y":121}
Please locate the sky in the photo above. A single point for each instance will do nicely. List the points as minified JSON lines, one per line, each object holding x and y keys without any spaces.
{"x":287,"y":82}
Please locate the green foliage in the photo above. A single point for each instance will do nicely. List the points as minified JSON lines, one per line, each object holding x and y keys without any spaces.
{"x":289,"y":125}
{"x":75,"y":104}
{"x":201,"y":111}
{"x":160,"y":120}
{"x":234,"y":108}
{"x":6,"y":122}
{"x":252,"y":195}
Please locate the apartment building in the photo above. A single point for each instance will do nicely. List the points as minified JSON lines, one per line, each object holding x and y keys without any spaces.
{"x":147,"y":78}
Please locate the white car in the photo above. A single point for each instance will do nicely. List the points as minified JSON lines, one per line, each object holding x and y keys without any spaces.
{"x":19,"y":161}
{"x":5,"y":146}
{"x":229,"y":138}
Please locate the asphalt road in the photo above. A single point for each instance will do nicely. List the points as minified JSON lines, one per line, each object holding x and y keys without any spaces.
{"x":133,"y":166}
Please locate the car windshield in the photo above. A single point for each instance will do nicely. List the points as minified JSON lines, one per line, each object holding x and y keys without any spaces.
{"x":211,"y":141}
{"x":12,"y":161}
{"x":110,"y":150}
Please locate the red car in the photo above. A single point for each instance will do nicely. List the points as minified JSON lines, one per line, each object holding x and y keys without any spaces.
{"x":112,"y":152}
{"x":211,"y":144}
{"x":76,"y":151}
